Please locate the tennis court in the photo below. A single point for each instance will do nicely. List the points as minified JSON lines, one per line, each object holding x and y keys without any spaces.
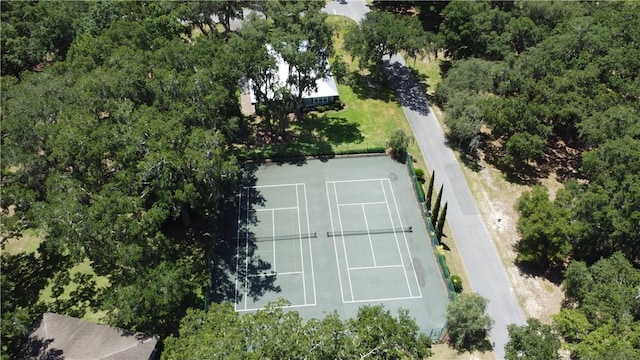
{"x":336,"y":235}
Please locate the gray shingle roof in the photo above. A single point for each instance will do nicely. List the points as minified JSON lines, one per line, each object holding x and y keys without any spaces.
{"x":64,"y":337}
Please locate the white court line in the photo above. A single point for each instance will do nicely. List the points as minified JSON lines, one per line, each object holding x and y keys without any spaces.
{"x":383,"y":299}
{"x":359,"y":180}
{"x":395,"y":235}
{"x":335,"y":246}
{"x":276,"y":274}
{"x":238,"y":249}
{"x":304,"y":286}
{"x":363,"y":203}
{"x":271,"y":186}
{"x":282,"y":307}
{"x":374,"y":267}
{"x":246,"y":255}
{"x":278,"y":209}
{"x":406,"y":243}
{"x":344,"y":246}
{"x":313,"y":275}
{"x":366,"y":224}
{"x":273,"y":241}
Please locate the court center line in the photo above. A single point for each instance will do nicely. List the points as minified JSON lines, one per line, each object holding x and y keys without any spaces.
{"x":374,"y":267}
{"x":344,"y":246}
{"x":404,"y":235}
{"x":304,"y":285}
{"x":335,"y":246}
{"x":366,"y":224}
{"x":395,"y":235}
{"x":313,"y":275}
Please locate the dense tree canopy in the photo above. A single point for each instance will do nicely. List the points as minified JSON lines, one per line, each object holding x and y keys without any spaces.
{"x":119,"y":148}
{"x":602,"y":306}
{"x":542,"y":77}
{"x":533,"y":341}
{"x":382,"y":34}
{"x":274,"y":333}
{"x":121,"y":124}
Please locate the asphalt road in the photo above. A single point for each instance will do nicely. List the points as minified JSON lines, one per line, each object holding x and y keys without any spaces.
{"x":479,"y":254}
{"x":354,"y":9}
{"x":482,"y":262}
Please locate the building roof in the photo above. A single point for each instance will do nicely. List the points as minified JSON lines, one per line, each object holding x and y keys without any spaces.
{"x":324,"y":87}
{"x":64,"y":337}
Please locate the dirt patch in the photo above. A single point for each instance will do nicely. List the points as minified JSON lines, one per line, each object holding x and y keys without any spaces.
{"x":496,"y":197}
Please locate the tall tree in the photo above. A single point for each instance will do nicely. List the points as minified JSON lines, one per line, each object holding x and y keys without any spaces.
{"x":544,"y":227}
{"x":436,"y":207}
{"x":275,"y":333}
{"x":601,"y":307}
{"x":533,"y":341}
{"x":382,"y":34}
{"x":469,"y":324}
{"x":429,"y":197}
{"x":441,"y":220}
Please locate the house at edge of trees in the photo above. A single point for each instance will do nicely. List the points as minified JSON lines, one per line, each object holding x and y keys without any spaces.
{"x":64,"y":337}
{"x":326,"y":91}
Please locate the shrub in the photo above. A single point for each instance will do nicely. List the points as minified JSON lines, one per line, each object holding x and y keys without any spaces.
{"x":457,"y":283}
{"x":398,"y":143}
{"x":420,"y":175}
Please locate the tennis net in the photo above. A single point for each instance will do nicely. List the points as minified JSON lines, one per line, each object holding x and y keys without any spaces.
{"x":370,"y":231}
{"x":278,"y":237}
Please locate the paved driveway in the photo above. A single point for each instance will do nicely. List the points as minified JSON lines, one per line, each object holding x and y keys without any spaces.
{"x":477,"y":249}
{"x":354,"y":9}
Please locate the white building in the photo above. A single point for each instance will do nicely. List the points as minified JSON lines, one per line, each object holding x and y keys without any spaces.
{"x":326,"y":91}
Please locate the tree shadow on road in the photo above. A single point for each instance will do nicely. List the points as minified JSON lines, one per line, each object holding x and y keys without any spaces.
{"x":410,"y":92}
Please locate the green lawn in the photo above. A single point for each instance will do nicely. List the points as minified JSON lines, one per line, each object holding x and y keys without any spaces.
{"x":29,"y":243}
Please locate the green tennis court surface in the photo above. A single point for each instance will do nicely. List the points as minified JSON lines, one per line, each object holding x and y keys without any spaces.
{"x":336,"y":235}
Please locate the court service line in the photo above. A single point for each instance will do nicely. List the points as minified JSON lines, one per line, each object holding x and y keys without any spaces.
{"x":384,"y":299}
{"x":395,"y":235}
{"x":282,"y":307}
{"x":276,"y":274}
{"x":304,"y":285}
{"x":335,"y":246}
{"x":357,"y":180}
{"x":374,"y":267}
{"x":366,"y":224}
{"x":404,"y":235}
{"x":278,"y":209}
{"x":344,"y":246}
{"x":271,"y":186}
{"x":313,"y":275}
{"x":363,"y":203}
